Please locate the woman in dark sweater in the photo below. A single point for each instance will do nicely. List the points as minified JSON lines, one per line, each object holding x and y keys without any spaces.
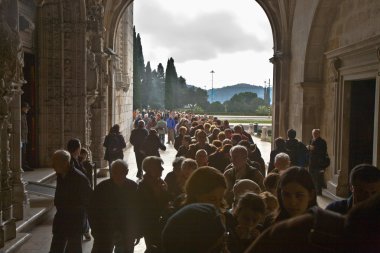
{"x":152,"y":144}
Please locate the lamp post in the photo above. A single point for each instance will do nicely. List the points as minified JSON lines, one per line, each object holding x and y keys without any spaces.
{"x":212,"y":85}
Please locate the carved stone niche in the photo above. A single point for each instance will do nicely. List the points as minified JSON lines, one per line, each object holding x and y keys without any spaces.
{"x":121,"y":82}
{"x":334,"y":65}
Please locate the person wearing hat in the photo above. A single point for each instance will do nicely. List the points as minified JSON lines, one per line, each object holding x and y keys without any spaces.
{"x":25,"y":107}
{"x":153,"y":199}
{"x":197,"y":228}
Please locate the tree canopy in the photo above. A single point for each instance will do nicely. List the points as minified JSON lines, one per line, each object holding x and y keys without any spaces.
{"x":162,"y":89}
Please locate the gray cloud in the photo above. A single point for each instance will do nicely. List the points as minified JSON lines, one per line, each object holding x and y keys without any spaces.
{"x":200,"y":38}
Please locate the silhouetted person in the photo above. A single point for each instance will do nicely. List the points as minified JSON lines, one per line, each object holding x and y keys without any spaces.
{"x":152,"y":144}
{"x":298,"y":152}
{"x":364,"y":182}
{"x":112,"y":212}
{"x":318,"y":151}
{"x":114,"y":144}
{"x":137,"y":139}
{"x":71,"y":200}
{"x":25,"y":107}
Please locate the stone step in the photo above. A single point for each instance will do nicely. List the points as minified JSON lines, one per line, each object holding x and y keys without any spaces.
{"x":35,"y":210}
{"x":33,"y":217}
{"x":12,"y":246}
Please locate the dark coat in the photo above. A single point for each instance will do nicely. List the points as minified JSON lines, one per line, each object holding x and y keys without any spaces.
{"x":178,"y":141}
{"x":113,"y":209}
{"x":298,"y":152}
{"x":193,"y":148}
{"x":341,"y":206}
{"x":219,"y":161}
{"x":174,"y":187}
{"x":114,"y":144}
{"x":71,"y":200}
{"x":153,"y":199}
{"x":182,"y":151}
{"x":312,"y":233}
{"x":24,"y":128}
{"x":151,"y":146}
{"x":317,"y":154}
{"x":137,"y":138}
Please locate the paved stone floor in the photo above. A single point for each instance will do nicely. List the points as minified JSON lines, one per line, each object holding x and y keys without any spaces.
{"x":41,"y":235}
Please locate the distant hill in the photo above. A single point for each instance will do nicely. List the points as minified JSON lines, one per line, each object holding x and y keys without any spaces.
{"x":226,"y":93}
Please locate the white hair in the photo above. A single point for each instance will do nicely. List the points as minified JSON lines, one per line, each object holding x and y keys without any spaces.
{"x":240,"y":149}
{"x":119,"y":163}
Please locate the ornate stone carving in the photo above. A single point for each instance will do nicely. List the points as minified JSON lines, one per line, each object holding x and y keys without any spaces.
{"x":95,"y":14}
{"x":92,"y":71}
{"x":334,"y":65}
{"x":278,"y":55}
{"x":11,"y":53}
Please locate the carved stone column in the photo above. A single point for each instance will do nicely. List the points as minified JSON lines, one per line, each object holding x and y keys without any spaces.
{"x":377,"y":113}
{"x":11,"y":63}
{"x":97,"y":79}
{"x":9,"y":224}
{"x":62,"y":75}
{"x":280,"y":109}
{"x":18,"y":184}
{"x":338,"y":183}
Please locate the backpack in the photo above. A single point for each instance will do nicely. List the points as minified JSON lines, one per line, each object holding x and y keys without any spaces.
{"x":324,"y":161}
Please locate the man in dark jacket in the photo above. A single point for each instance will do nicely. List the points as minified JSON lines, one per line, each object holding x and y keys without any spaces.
{"x":137,"y":138}
{"x":318,"y":152}
{"x":71,"y":199}
{"x":298,"y":152}
{"x":112,"y":212}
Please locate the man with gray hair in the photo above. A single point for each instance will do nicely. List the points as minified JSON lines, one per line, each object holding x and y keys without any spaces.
{"x":281,"y":163}
{"x":112,"y":212}
{"x":240,"y":169}
{"x":71,"y":200}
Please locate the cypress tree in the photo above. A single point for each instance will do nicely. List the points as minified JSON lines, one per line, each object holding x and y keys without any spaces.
{"x":138,"y":70}
{"x":147,"y":85}
{"x":171,"y":82}
{"x":161,"y":85}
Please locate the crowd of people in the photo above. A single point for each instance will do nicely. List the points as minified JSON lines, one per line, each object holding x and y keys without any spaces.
{"x":219,"y":197}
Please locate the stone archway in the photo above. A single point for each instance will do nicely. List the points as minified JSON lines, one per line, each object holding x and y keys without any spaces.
{"x":111,"y":103}
{"x":280,"y":16}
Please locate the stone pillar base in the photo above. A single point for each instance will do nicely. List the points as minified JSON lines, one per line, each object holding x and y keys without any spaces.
{"x":9,"y":227}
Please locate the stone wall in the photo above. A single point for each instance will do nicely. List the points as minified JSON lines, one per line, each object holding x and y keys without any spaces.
{"x":355,"y":21}
{"x":302,"y":24}
{"x":123,"y":76}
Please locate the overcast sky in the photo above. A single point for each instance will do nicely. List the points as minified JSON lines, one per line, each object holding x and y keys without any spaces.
{"x":233,"y":38}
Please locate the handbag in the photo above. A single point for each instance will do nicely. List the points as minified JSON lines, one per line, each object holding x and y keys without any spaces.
{"x":324,"y":161}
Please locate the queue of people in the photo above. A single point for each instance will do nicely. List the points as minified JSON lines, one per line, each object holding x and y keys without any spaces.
{"x":220,"y":197}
